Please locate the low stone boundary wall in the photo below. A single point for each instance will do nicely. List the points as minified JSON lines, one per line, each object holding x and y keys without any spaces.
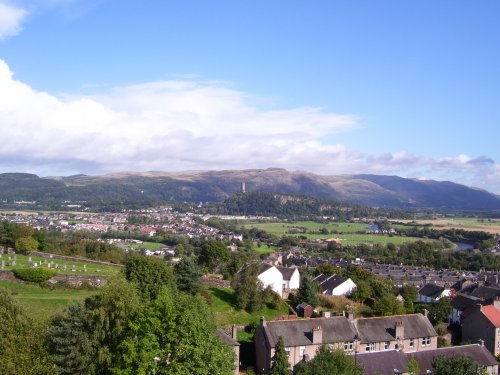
{"x":79,"y":280}
{"x":215,"y":282}
{"x":7,"y":275}
{"x":68,"y":258}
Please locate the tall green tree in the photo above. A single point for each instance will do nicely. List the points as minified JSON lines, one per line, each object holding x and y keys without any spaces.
{"x":212,"y":255}
{"x":175,"y":334}
{"x":388,"y":305}
{"x":187,"y":274}
{"x":331,"y":362}
{"x":248,"y":289}
{"x":22,"y":347}
{"x":88,"y":338}
{"x":440,"y":311}
{"x":149,"y":274}
{"x":308,"y":292}
{"x":413,"y":366}
{"x":280,"y":364}
{"x":456,"y":365}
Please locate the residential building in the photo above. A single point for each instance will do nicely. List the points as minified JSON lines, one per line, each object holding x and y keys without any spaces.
{"x":431,"y":293}
{"x":279,"y":278}
{"x":302,"y":338}
{"x":335,"y":285}
{"x":483,"y":323}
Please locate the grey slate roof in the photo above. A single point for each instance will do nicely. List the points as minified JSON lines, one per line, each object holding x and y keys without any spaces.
{"x":226,"y":338}
{"x":462,"y":302}
{"x":382,"y":329}
{"x":299,"y":332}
{"x":382,"y":362}
{"x":286,"y":272}
{"x":478,"y":353}
{"x":386,"y":362}
{"x":431,"y":290}
{"x":332,"y":282}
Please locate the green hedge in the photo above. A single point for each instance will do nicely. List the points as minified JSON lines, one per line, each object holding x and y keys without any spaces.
{"x":34,"y":275}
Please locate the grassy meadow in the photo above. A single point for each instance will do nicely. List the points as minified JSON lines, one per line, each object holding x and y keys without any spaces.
{"x":349,"y":233}
{"x":43,"y":302}
{"x":465,"y":223}
{"x":223,"y":300}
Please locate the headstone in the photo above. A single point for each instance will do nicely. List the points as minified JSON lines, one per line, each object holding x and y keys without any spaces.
{"x":3,"y":264}
{"x":15,"y":257}
{"x":73,"y":268}
{"x":30,"y":264}
{"x":57,"y":265}
{"x":29,"y":259}
{"x":65,"y":266}
{"x":10,"y":258}
{"x":84,"y":268}
{"x":13,"y":263}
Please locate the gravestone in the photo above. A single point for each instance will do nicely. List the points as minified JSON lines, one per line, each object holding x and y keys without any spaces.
{"x":3,"y":264}
{"x":84,"y":268}
{"x":13,"y":263}
{"x":65,"y":266}
{"x":73,"y":268}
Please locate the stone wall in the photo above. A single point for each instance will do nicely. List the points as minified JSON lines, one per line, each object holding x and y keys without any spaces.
{"x":7,"y":275}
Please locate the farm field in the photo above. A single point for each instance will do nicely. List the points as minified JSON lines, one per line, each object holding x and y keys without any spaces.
{"x":22,"y":261}
{"x":223,"y":300}
{"x":43,"y":302}
{"x":144,"y":245}
{"x":348,"y":232}
{"x":465,"y":223}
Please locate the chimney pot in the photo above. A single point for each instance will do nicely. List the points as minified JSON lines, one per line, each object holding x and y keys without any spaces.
{"x":263,"y":321}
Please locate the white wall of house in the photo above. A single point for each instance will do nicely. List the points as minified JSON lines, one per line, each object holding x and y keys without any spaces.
{"x":272,"y":277}
{"x":294,"y":282}
{"x":344,"y":289}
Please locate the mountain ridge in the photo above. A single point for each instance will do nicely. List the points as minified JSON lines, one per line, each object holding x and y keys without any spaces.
{"x":156,"y":187}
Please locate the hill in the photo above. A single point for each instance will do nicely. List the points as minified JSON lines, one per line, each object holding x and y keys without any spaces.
{"x":114,"y":191}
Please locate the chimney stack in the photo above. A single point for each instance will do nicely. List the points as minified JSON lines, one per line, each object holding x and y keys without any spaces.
{"x":400,"y":330}
{"x":317,"y":334}
{"x":234,"y":332}
{"x":263,"y":321}
{"x":496,"y":302}
{"x":481,"y":342}
{"x":425,"y":312}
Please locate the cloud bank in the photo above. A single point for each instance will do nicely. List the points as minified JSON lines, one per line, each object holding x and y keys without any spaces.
{"x":11,"y":18}
{"x":185,"y":124}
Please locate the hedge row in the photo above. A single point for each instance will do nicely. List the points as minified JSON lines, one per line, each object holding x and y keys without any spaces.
{"x":34,"y":275}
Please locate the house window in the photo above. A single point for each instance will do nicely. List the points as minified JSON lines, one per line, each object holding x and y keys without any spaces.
{"x":426,"y":341}
{"x":412,"y":343}
{"x":302,"y":351}
{"x":287,"y":351}
{"x":387,"y":344}
{"x":370,"y":347}
{"x":348,"y":346}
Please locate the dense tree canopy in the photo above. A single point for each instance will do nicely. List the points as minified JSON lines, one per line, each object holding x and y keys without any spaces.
{"x":456,"y":365}
{"x":280,"y":364}
{"x":329,"y":362}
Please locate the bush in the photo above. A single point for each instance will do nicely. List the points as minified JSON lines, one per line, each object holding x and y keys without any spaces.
{"x":34,"y":275}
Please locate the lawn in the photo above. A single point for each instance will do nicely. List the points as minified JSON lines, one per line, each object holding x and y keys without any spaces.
{"x":465,"y":223}
{"x":43,"y":302}
{"x":144,"y":245}
{"x":223,"y":300}
{"x":22,"y":261}
{"x":265,"y":249}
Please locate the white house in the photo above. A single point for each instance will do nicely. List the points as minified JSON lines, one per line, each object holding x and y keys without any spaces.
{"x":271,"y":276}
{"x":291,"y":277}
{"x":431,"y":293}
{"x":335,"y":285}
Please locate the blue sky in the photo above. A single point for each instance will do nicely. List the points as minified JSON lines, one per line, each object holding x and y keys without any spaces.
{"x":334,"y":87}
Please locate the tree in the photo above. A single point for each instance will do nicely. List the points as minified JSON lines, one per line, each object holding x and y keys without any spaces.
{"x":413,"y":366}
{"x":187,"y":274}
{"x":213,"y":254}
{"x":440,"y":311}
{"x":361,"y":292}
{"x":248,"y":289}
{"x":149,"y":274}
{"x":26,"y":244}
{"x":388,"y":305}
{"x":308,"y":292}
{"x":456,"y":365}
{"x":329,"y":362}
{"x":175,"y":334}
{"x":21,"y":340}
{"x":280,"y":364}
{"x":88,"y":338}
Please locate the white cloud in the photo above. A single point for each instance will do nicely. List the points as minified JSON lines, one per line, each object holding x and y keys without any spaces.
{"x":179,"y":125}
{"x":11,"y":18}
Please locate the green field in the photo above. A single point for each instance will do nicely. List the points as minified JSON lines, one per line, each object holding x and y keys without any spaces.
{"x":144,"y":245}
{"x":347,"y":232}
{"x":43,"y":302}
{"x":22,"y":261}
{"x":223,"y":300}
{"x":265,"y":249}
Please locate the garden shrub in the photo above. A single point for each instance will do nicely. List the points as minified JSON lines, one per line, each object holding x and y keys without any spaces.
{"x":34,"y":275}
